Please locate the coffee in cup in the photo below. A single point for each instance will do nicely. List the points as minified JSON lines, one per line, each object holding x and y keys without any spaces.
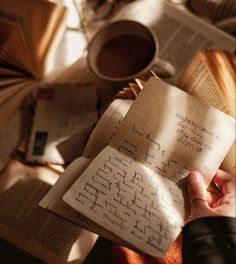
{"x":124,"y":50}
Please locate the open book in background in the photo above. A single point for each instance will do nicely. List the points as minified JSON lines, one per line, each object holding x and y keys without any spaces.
{"x":34,"y":26}
{"x":25,"y":224}
{"x":29,"y":34}
{"x":211,"y":78}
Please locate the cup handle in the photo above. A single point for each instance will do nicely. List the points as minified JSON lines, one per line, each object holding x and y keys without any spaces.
{"x":163,"y":68}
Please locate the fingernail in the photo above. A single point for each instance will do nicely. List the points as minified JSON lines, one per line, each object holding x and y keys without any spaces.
{"x":194,"y":177}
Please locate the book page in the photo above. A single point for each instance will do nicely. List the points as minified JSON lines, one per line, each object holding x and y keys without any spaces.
{"x":167,"y":128}
{"x":11,"y":89}
{"x":39,"y":33}
{"x":10,"y":106}
{"x":177,"y":30}
{"x":21,"y":58}
{"x":7,"y":82}
{"x":30,"y":227}
{"x":106,"y":127}
{"x":132,"y":187}
{"x":7,"y":71}
{"x":200,"y":81}
{"x":130,"y":200}
{"x":54,"y":203}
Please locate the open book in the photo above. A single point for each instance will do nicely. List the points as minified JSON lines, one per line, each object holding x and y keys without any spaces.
{"x":131,"y":190}
{"x":25,"y":224}
{"x":29,"y":34}
{"x":211,"y":78}
{"x":34,"y":27}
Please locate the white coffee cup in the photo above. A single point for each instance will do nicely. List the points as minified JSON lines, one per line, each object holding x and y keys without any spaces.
{"x":124,"y":50}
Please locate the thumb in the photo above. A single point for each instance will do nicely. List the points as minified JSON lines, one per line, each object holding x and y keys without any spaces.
{"x":197,"y":195}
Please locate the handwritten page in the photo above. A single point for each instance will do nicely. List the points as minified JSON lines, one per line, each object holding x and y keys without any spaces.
{"x":131,"y":187}
{"x":129,"y":199}
{"x":53,"y":202}
{"x":172,"y":132}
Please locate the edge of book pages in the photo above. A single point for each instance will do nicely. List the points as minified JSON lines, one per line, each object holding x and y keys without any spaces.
{"x":42,"y":39}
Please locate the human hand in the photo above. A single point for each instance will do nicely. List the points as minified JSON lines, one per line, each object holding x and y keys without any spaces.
{"x":203,"y":203}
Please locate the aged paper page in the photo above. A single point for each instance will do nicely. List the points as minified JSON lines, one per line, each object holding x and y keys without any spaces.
{"x":106,"y":127}
{"x":11,"y":106}
{"x":200,"y":81}
{"x":54,"y":203}
{"x":30,"y":227}
{"x":131,"y":201}
{"x":130,"y":188}
{"x":9,"y":92}
{"x":229,"y":162}
{"x":169,"y":129}
{"x":10,"y":34}
{"x":39,"y":33}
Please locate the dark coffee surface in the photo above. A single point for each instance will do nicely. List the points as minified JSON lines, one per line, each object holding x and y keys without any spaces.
{"x":124,"y":56}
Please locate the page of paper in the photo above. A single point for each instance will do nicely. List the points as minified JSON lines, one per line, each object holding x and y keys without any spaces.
{"x":11,"y":106}
{"x":39,"y":33}
{"x":106,"y":127}
{"x":229,"y":162}
{"x":10,"y":34}
{"x":130,"y":200}
{"x":35,"y":230}
{"x":64,"y":114}
{"x":54,"y":203}
{"x":53,"y":199}
{"x":201,"y":81}
{"x":11,"y":90}
{"x":172,"y":132}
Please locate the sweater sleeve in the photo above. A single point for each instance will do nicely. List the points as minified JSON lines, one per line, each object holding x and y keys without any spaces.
{"x":210,"y":240}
